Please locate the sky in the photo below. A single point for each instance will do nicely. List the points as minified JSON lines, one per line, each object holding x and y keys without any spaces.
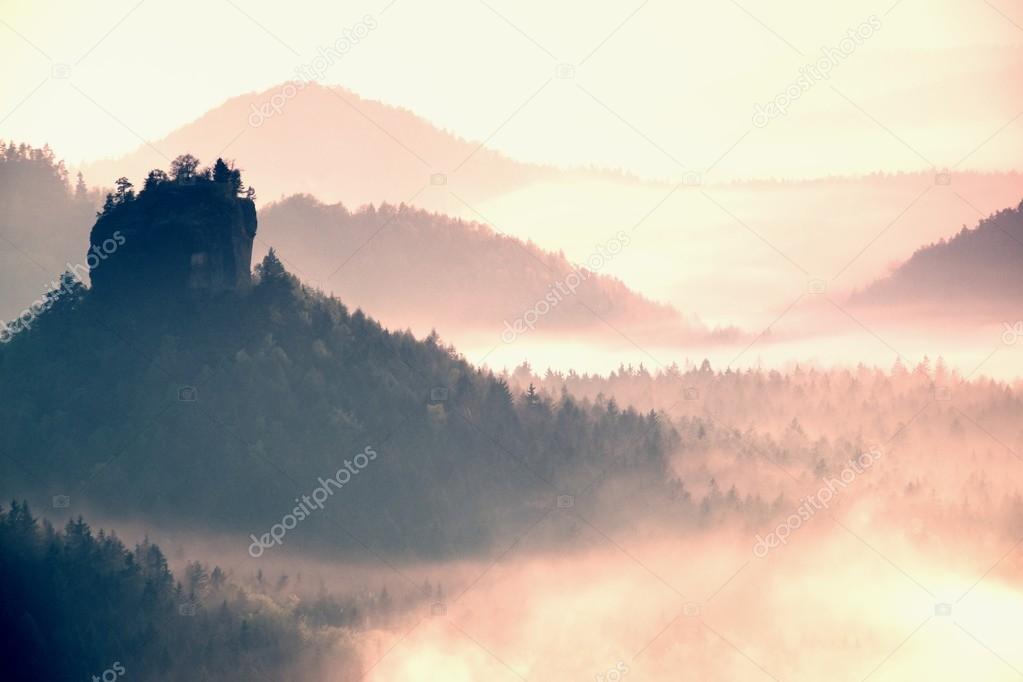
{"x":653,"y":87}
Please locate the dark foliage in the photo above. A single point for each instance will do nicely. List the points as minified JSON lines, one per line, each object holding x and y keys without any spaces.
{"x":74,"y":605}
{"x":221,"y":411}
{"x":190,"y":230}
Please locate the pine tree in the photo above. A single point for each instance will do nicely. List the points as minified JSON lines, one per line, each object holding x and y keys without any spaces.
{"x":154,"y":178}
{"x":221,"y":173}
{"x":81,"y":190}
{"x":124,"y":192}
{"x":271,"y":268}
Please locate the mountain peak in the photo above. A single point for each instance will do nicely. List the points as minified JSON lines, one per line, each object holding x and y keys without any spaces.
{"x":303,"y":137}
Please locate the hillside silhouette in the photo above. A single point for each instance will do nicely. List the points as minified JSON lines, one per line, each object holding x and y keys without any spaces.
{"x":310,"y":145}
{"x":979,"y":270}
{"x":214,"y":406}
{"x":426,"y":270}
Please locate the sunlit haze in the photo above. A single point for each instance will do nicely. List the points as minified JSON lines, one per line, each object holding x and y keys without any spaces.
{"x":487,"y":340}
{"x":675,"y":85}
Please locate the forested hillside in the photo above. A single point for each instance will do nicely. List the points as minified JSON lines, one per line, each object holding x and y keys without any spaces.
{"x":368,"y":257}
{"x":978,"y":270}
{"x":220,"y":408}
{"x":75,"y":605}
{"x":44,"y":223}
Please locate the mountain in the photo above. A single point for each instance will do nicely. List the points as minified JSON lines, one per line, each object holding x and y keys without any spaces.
{"x":413,"y":268}
{"x":977,"y":271}
{"x":241,"y":408}
{"x":309,"y":143}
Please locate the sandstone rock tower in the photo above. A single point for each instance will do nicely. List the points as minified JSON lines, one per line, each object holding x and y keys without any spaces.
{"x":187,"y":232}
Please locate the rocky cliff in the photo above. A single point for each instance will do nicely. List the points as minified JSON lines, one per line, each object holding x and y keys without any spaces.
{"x":190,"y":231}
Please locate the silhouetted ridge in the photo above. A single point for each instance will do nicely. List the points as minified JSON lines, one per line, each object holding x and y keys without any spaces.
{"x":978,"y":267}
{"x":189,"y":230}
{"x":441,"y":253}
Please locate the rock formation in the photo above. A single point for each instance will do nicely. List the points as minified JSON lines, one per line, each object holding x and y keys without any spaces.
{"x":185,"y":232}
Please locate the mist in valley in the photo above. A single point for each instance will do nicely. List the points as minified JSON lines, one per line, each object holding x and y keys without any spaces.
{"x":846,"y":523}
{"x":511,"y":341}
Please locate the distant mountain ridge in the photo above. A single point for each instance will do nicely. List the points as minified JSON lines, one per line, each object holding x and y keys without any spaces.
{"x":415,"y":268}
{"x":398,"y":153}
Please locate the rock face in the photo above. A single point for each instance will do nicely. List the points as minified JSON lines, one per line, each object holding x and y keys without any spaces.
{"x":176,"y":236}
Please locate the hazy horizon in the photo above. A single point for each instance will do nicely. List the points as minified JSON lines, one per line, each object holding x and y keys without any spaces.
{"x":479,"y":340}
{"x":925,"y":54}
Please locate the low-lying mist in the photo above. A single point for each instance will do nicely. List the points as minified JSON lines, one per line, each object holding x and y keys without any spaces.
{"x":842,"y":525}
